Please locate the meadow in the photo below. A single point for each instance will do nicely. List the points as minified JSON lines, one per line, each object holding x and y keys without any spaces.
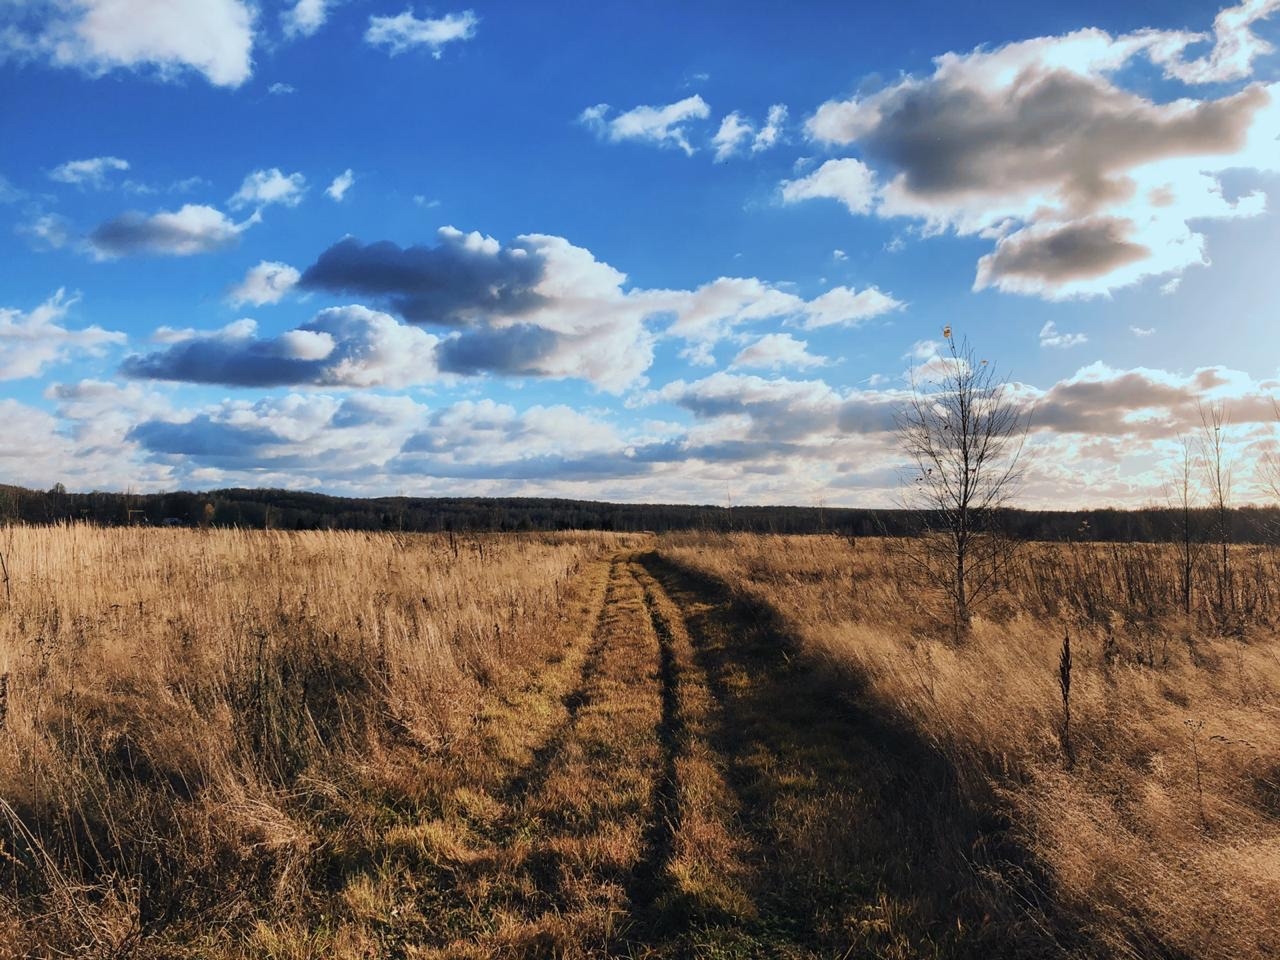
{"x":226,"y":743}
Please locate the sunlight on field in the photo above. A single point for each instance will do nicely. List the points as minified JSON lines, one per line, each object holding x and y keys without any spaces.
{"x":258,"y":744}
{"x":185,"y":712}
{"x":1164,"y":835}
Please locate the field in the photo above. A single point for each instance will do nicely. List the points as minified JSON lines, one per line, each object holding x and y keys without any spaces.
{"x":231,"y":743}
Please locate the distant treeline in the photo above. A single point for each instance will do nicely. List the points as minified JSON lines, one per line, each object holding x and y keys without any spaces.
{"x":291,"y":510}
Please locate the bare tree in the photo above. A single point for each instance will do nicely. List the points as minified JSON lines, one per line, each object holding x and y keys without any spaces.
{"x":963,"y":432}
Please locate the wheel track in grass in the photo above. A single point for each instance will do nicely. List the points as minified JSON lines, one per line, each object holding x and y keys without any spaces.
{"x":852,"y":837}
{"x":707,"y":792}
{"x":558,"y":864}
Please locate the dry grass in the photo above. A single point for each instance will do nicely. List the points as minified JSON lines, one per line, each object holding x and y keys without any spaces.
{"x":1163,"y":837}
{"x":242,"y":744}
{"x":213,"y":738}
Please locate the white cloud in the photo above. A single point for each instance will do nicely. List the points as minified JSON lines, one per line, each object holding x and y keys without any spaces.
{"x":348,"y":347}
{"x":712,"y":312}
{"x":213,"y":37}
{"x":235,"y":330}
{"x":340,"y":185}
{"x":736,"y":132}
{"x":280,"y":89}
{"x":48,"y":231}
{"x":664,"y":126}
{"x":845,"y":306}
{"x":405,"y":31}
{"x":1085,"y":186}
{"x":296,"y":439}
{"x":839,"y":254}
{"x":850,"y":181}
{"x":263,"y":187}
{"x":1235,"y":46}
{"x":1053,"y":338}
{"x":30,"y":342}
{"x":268,"y":282}
{"x":777,"y":350}
{"x":1142,"y":331}
{"x":304,"y":18}
{"x":732,"y":134}
{"x":190,"y":230}
{"x":38,"y":449}
{"x":771,"y":132}
{"x":92,"y":172}
{"x":541,"y":306}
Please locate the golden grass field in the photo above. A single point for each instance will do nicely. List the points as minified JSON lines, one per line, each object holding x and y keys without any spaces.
{"x":231,"y":743}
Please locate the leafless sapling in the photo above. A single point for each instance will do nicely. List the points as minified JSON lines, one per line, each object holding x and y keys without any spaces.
{"x":962,"y":430}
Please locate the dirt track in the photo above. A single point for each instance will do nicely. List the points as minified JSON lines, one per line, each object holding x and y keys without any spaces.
{"x":690,"y":787}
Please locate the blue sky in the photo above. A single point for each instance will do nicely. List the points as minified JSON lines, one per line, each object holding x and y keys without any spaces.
{"x":638,"y":252}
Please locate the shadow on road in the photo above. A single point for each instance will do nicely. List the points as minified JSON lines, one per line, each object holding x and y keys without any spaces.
{"x":860,"y":844}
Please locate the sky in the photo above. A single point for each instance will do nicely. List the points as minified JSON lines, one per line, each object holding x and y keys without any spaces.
{"x":662,"y":252}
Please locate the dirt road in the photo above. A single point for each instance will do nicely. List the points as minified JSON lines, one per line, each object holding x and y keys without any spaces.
{"x":688,"y":786}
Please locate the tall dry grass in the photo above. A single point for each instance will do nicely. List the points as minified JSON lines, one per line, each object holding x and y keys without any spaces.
{"x":1162,"y":838}
{"x":196,"y":726}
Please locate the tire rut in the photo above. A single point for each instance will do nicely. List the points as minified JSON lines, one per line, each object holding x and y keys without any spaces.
{"x":576,"y":858}
{"x":528,"y":778}
{"x":854,"y":839}
{"x":650,"y":881}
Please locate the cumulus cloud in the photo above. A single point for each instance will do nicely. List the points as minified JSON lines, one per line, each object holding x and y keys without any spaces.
{"x":542,"y":306}
{"x":1053,"y":338}
{"x":39,"y":448}
{"x":32,"y":341}
{"x":305,"y":17}
{"x":665,"y":126}
{"x":405,"y":31}
{"x":1235,"y":46}
{"x":212,"y":37}
{"x":263,"y":187}
{"x":769,"y":135}
{"x":850,"y":181}
{"x":98,"y":415}
{"x":268,"y":282}
{"x":747,"y":417}
{"x":464,"y":277}
{"x":775,"y":351}
{"x":1086,"y":186}
{"x":340,"y":185}
{"x":539,"y":306}
{"x":847,"y":307}
{"x":733,"y":132}
{"x":1145,"y":404}
{"x":282,"y":439}
{"x":349,"y":346}
{"x":92,"y":172}
{"x":193,"y":229}
{"x":483,"y":439}
{"x":736,"y":132}
{"x":1055,"y":255}
{"x":713,"y":312}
